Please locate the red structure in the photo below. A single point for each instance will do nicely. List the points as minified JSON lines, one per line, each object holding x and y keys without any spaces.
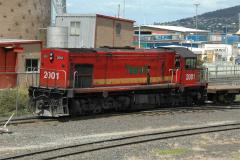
{"x":79,"y":81}
{"x":9,"y":50}
{"x":100,"y":68}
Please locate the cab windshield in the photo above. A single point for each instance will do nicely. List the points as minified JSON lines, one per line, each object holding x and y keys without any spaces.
{"x":190,"y":63}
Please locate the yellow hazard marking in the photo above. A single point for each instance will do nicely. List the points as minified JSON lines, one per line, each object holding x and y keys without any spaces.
{"x":130,"y":80}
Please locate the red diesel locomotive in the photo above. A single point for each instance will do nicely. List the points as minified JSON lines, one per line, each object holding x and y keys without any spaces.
{"x":85,"y":81}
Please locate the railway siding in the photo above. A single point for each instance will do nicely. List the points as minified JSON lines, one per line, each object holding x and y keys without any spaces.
{"x":33,"y":137}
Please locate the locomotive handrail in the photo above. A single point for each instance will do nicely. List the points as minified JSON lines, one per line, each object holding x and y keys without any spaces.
{"x":177,"y":75}
{"x":74,"y":78}
{"x":171,"y":70}
{"x":220,"y":75}
{"x":203,"y":75}
{"x":206,"y":75}
{"x":172,"y":78}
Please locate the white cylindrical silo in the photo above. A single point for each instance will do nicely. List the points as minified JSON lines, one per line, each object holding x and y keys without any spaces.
{"x":57,"y":37}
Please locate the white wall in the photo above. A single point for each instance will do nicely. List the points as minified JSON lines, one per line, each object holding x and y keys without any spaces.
{"x":86,"y":38}
{"x":224,"y":50}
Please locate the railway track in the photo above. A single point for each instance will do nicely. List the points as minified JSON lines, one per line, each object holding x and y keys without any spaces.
{"x":25,"y":120}
{"x":77,"y":149}
{"x":157,"y":111}
{"x":140,"y":112}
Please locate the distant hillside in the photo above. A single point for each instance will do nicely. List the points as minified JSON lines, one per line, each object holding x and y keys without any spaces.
{"x":217,"y":21}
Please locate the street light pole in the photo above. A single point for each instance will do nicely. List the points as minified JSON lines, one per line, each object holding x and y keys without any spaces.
{"x":124,"y":8}
{"x":196,"y":5}
{"x":239,"y":21}
{"x":139,"y":37}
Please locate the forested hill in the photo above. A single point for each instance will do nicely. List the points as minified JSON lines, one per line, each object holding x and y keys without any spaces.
{"x":216,"y":21}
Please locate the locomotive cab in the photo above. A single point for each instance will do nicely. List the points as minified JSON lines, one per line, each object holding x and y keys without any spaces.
{"x":185,"y":71}
{"x":191,"y":78}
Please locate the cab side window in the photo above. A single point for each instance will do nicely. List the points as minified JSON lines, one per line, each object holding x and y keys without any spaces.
{"x":190,"y":63}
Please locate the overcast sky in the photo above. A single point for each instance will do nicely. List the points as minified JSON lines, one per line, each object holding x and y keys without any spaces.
{"x":149,"y":11}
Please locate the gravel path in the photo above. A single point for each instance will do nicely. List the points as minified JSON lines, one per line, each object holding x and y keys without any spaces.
{"x":43,"y":135}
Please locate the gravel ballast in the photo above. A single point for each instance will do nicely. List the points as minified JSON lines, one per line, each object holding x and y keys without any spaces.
{"x":26,"y":138}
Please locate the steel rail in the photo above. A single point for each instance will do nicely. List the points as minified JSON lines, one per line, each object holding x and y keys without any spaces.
{"x":150,"y":111}
{"x":130,"y":140}
{"x":26,"y":120}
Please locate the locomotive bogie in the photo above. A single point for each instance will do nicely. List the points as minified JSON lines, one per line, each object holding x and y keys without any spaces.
{"x":87,"y":104}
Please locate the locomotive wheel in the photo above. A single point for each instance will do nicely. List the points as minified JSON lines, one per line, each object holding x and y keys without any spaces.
{"x":75,"y":108}
{"x":40,"y":107}
{"x":189,"y":101}
{"x":109,"y":103}
{"x":217,"y":99}
{"x":96,"y":106}
{"x":123,"y":104}
{"x":230,"y":98}
{"x":31,"y":105}
{"x":199,"y":99}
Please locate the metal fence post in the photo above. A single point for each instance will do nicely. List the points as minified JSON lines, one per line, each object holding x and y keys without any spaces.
{"x":17,"y":94}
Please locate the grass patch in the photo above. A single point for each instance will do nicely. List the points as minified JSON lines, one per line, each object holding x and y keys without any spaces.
{"x":237,"y":98}
{"x":175,"y":152}
{"x":236,"y":156}
{"x":8,"y":99}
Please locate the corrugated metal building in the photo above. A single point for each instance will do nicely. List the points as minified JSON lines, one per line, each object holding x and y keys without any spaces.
{"x":94,"y":30}
{"x":19,"y":62}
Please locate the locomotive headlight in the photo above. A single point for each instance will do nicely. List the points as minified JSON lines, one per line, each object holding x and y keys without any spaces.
{"x":51,"y":56}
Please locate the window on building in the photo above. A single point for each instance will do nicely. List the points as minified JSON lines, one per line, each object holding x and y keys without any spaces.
{"x":31,"y":65}
{"x":190,"y":63}
{"x":75,"y":28}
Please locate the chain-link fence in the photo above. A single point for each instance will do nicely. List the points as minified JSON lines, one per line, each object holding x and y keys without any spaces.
{"x":14,"y":91}
{"x":14,"y":86}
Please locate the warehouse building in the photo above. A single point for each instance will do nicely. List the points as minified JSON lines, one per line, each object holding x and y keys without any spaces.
{"x":157,"y":35}
{"x":19,"y":62}
{"x":95,"y":30}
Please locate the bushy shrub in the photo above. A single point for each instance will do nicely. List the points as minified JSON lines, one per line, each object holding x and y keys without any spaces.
{"x":9,"y":98}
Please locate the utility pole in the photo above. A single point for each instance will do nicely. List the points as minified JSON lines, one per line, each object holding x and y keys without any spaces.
{"x":139,"y":36}
{"x":119,"y":7}
{"x":239,"y":21}
{"x":196,"y":5}
{"x":124,"y":8}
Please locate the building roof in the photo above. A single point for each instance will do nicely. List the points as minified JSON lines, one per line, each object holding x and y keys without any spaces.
{"x":184,"y":52}
{"x":115,"y":18}
{"x":4,"y":41}
{"x":238,"y":32}
{"x":176,"y":28}
{"x":97,"y":15}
